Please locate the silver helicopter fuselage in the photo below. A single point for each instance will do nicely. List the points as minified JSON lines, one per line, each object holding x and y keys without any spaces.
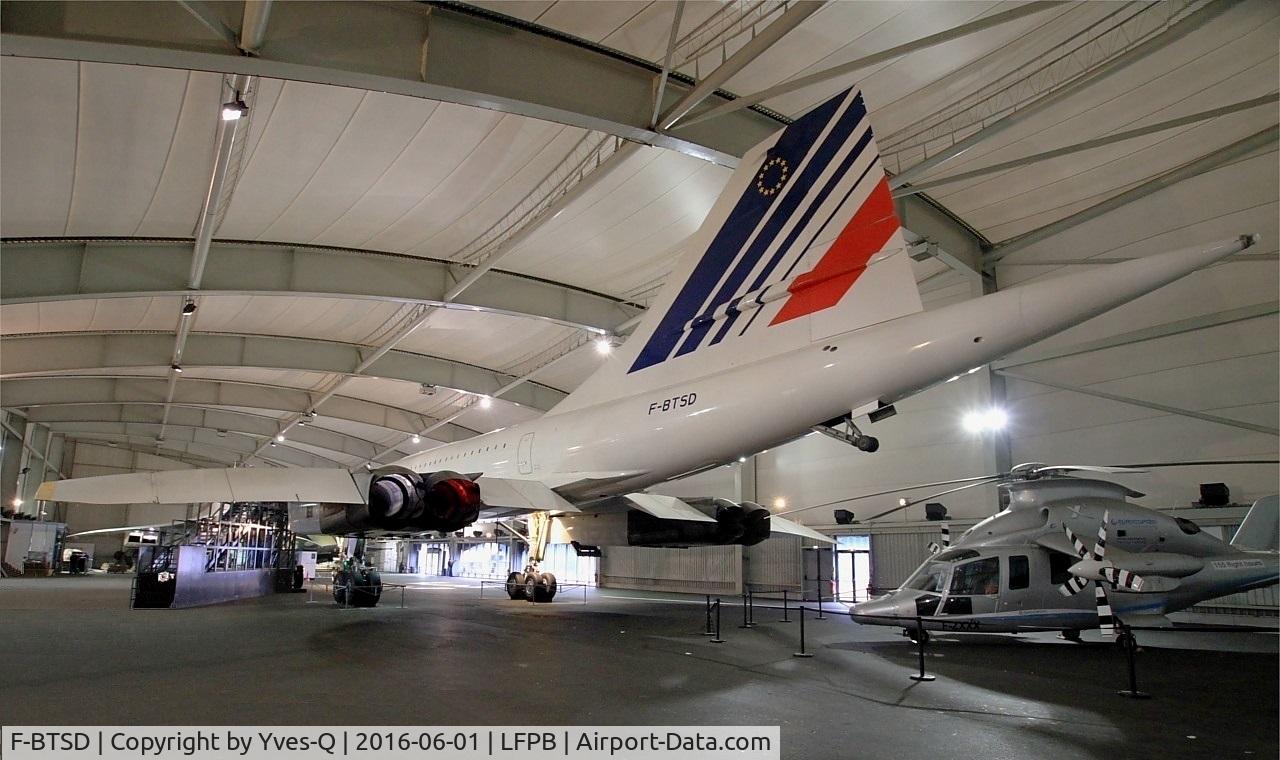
{"x":1005,"y":573}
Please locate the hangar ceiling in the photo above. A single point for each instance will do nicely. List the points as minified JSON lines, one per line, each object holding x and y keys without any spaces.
{"x":409,"y":243}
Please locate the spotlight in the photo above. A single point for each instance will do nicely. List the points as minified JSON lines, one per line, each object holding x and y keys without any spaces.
{"x":417,"y":439}
{"x":234,"y":110}
{"x":742,"y":459}
{"x":17,"y":502}
{"x":995,"y":419}
{"x":989,"y":420}
{"x":603,"y":346}
{"x":779,"y":503}
{"x":188,"y":308}
{"x":279,"y":436}
{"x":485,"y":402}
{"x":176,"y":368}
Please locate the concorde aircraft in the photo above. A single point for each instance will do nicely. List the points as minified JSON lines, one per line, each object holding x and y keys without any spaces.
{"x":794,"y":306}
{"x":1029,"y":567}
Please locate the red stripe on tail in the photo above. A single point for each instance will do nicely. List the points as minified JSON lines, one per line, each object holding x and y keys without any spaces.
{"x":865,"y":235}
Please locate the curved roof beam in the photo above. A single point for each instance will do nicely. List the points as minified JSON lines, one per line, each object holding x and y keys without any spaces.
{"x":202,"y":443}
{"x":153,"y":450}
{"x":227,"y":421}
{"x":427,"y":51}
{"x":50,"y":391}
{"x":242,"y":443}
{"x":33,"y":271}
{"x":44,"y":354}
{"x":423,"y":51}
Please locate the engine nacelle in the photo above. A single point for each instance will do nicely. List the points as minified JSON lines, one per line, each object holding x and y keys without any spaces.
{"x":745,"y":524}
{"x":400,"y":499}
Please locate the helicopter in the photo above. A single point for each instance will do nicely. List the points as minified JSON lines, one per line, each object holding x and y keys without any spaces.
{"x":1026,"y":567}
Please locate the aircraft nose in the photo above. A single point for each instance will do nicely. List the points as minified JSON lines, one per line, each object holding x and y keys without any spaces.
{"x":875,"y":611}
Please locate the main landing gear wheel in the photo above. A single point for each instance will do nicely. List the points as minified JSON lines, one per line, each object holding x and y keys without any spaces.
{"x":515,"y":585}
{"x":867,"y":443}
{"x":539,"y":587}
{"x":357,"y":588}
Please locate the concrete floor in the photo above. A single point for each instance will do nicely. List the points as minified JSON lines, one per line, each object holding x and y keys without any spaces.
{"x":73,"y":654}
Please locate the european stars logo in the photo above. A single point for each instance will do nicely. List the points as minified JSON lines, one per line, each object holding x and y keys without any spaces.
{"x":773,"y":175}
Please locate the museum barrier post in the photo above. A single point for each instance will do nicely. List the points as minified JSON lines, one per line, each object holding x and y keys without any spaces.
{"x":802,"y":652}
{"x":920,"y":640}
{"x":1130,"y":645}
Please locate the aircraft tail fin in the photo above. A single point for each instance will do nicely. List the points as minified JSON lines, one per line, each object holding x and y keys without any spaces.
{"x":802,"y":245}
{"x":1261,"y":526}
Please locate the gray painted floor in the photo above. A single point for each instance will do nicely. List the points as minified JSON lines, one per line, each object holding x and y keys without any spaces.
{"x":73,"y":653}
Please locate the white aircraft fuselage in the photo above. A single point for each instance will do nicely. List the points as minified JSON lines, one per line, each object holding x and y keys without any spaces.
{"x":684,"y":427}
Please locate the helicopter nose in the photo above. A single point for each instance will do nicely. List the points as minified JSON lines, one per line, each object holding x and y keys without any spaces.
{"x":880,"y":611}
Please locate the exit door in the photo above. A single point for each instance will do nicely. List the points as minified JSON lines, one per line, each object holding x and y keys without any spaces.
{"x":853,"y":572}
{"x":524,"y":455}
{"x":853,"y":568}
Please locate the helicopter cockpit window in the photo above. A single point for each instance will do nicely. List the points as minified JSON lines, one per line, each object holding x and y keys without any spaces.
{"x":979,"y":577}
{"x":1186,"y":526}
{"x":932,"y":576}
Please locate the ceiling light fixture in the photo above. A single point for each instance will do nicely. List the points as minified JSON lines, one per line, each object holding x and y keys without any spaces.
{"x":417,"y":439}
{"x":485,"y":402}
{"x":234,"y":110}
{"x":176,"y":368}
{"x":603,"y":346}
{"x":990,"y":420}
{"x":188,"y":308}
{"x":279,"y":436}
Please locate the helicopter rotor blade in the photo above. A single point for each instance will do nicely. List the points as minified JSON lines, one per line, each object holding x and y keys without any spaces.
{"x":900,"y":489}
{"x":905,"y":503}
{"x":1201,"y":463}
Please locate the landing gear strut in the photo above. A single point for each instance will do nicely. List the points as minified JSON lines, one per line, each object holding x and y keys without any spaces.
{"x":533,"y":584}
{"x":843,"y":429}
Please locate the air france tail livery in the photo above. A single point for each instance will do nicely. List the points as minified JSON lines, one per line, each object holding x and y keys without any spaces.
{"x":795,"y":305}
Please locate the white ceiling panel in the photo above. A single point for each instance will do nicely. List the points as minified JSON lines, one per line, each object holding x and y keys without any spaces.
{"x":619,"y":235}
{"x":481,"y":338}
{"x":301,"y":131}
{"x":39,"y":139}
{"x":449,"y":135}
{"x":122,"y":149}
{"x":595,"y":21}
{"x":500,"y":152}
{"x":381,"y":128}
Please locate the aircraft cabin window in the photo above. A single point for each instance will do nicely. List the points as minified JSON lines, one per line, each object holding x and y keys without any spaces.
{"x":1058,"y":564}
{"x":979,"y":577}
{"x":1019,"y":571}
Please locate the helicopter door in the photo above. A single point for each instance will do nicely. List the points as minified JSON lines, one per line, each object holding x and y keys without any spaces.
{"x":1016,"y":593}
{"x":974,"y":589}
